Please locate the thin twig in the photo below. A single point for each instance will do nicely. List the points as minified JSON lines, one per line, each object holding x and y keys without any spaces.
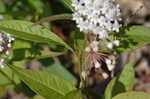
{"x":54,"y":18}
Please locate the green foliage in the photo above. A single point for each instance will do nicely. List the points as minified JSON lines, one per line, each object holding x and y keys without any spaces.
{"x":25,"y":30}
{"x":46,"y":84}
{"x":74,"y":95}
{"x":38,"y":97}
{"x":46,"y":54}
{"x":37,"y":5}
{"x":122,"y":82}
{"x":56,"y":68}
{"x":2,"y":6}
{"x":133,"y":95}
{"x":67,"y":3}
{"x":139,"y":34}
{"x":21,"y":49}
{"x":133,"y":37}
{"x":1,"y":91}
{"x":20,"y":44}
{"x":22,"y":19}
{"x":7,"y":79}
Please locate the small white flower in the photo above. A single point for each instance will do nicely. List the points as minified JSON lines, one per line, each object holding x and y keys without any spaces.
{"x":87,"y":49}
{"x":111,"y":67}
{"x":9,"y":45}
{"x":110,"y":45}
{"x":111,"y":62}
{"x":95,"y":49}
{"x":5,"y":41}
{"x":108,"y":61}
{"x":1,"y":48}
{"x":1,"y":63}
{"x":103,"y":35}
{"x":105,"y":75}
{"x":92,"y":46}
{"x":7,"y":52}
{"x":1,"y":39}
{"x":97,"y":65}
{"x":116,"y":42}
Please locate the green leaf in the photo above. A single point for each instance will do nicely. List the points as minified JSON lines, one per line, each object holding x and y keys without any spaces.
{"x":25,"y":30}
{"x":2,"y":6}
{"x":7,"y":78}
{"x":46,"y":84}
{"x":21,"y":49}
{"x":20,"y":54}
{"x":56,"y":68}
{"x":122,"y":82}
{"x":1,"y":91}
{"x":68,"y":4}
{"x":37,"y":5}
{"x":21,"y":44}
{"x":73,"y":95}
{"x":137,"y":36}
{"x":38,"y":97}
{"x":46,"y":54}
{"x":19,"y":63}
{"x":133,"y":95}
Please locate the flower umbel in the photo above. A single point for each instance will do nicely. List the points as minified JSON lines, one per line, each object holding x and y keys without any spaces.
{"x":5,"y":45}
{"x":97,"y":16}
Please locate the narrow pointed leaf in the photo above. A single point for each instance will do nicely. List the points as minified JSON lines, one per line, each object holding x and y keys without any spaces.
{"x":25,"y":30}
{"x":74,"y":95}
{"x":133,"y":95}
{"x":56,"y":68}
{"x":123,"y":82}
{"x":2,"y":6}
{"x":46,"y":84}
{"x":138,"y":36}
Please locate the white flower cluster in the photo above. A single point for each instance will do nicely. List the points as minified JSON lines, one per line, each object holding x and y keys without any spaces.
{"x":97,"y":16}
{"x":5,"y":45}
{"x":92,"y":46}
{"x":111,"y":45}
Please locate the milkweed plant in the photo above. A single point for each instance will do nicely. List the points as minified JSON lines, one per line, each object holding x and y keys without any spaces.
{"x":81,"y":67}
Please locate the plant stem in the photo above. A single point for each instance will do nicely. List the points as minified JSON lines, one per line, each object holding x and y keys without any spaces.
{"x":54,"y":18}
